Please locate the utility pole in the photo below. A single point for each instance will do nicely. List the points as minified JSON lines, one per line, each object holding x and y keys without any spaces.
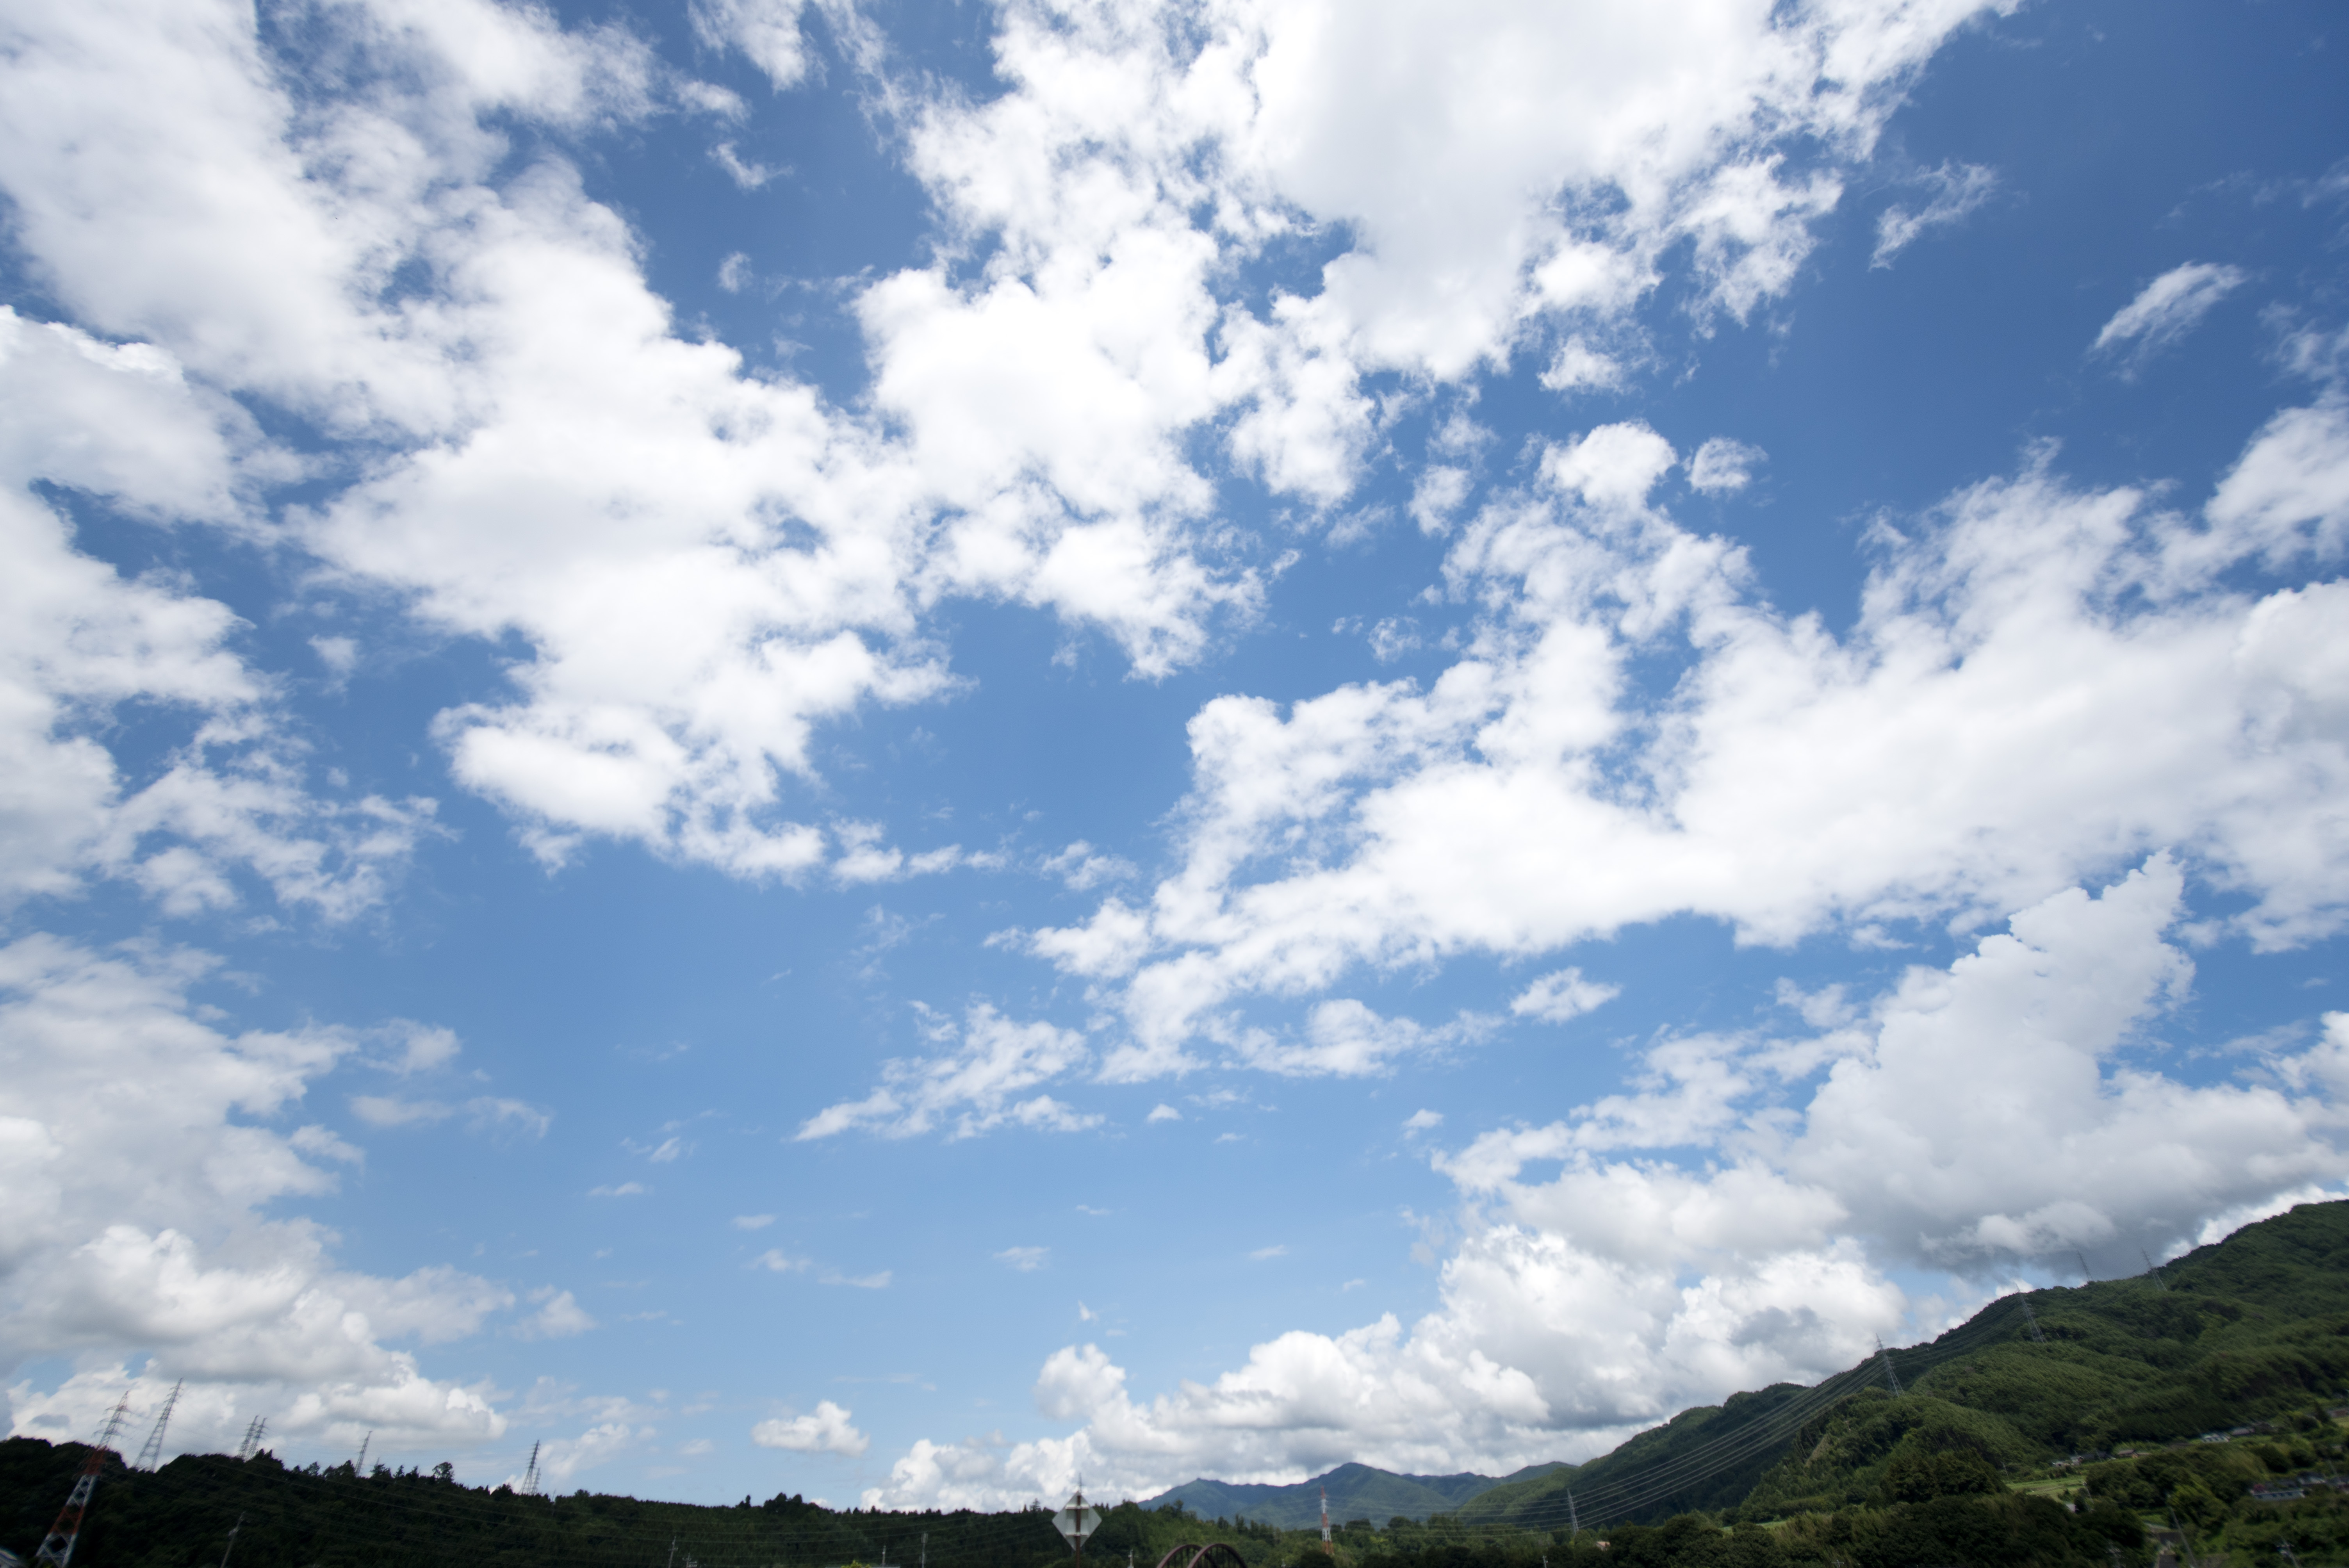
{"x":151,"y":1455}
{"x":58,"y":1546}
{"x":232,"y":1540}
{"x":2033,"y":1319}
{"x":1886,"y":1356}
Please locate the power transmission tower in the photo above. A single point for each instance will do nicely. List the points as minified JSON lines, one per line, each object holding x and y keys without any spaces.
{"x":232,"y":1540}
{"x":1889,"y":1375}
{"x":359,"y":1467}
{"x":58,"y":1545}
{"x":2153,"y":1268}
{"x":528,"y":1487}
{"x":2032,"y":1318}
{"x":2085,"y":1277}
{"x":151,"y":1456}
{"x":252,"y":1444}
{"x":1573,"y":1517}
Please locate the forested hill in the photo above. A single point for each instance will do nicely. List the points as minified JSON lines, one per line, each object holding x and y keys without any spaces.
{"x":2227,"y":1336}
{"x":1356,"y":1491}
{"x":2252,"y":1330}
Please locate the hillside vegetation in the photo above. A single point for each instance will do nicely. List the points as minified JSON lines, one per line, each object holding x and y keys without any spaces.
{"x":2158,"y":1401}
{"x":1355,"y":1491}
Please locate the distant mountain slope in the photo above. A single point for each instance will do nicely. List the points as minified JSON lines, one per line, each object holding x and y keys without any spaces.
{"x":1356,"y":1491}
{"x":2251,"y":1327}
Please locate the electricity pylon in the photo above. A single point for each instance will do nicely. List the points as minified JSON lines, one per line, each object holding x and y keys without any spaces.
{"x":151,"y":1456}
{"x":58,"y":1545}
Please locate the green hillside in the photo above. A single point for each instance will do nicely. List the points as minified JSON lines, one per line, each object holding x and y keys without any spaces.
{"x":2252,"y":1328}
{"x":1356,"y":1491}
{"x":2201,"y":1398}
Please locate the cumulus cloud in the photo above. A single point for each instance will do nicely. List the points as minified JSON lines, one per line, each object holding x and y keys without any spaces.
{"x":1557,"y":998}
{"x":2167,"y":308}
{"x":1722,"y":466}
{"x":1796,"y":780}
{"x":1031,"y":426}
{"x":973,"y":1089}
{"x":141,"y":1145}
{"x":825,"y":1430}
{"x":233,"y":803}
{"x":1981,"y":1116}
{"x":559,"y":1318}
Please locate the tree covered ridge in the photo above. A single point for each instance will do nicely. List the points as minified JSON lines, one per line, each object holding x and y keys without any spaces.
{"x":1974,"y":1462}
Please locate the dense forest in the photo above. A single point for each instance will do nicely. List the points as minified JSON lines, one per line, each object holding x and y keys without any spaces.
{"x":2060,"y":1426}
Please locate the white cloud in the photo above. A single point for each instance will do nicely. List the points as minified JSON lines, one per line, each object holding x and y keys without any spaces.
{"x":752,"y":1222}
{"x":972,"y":1088}
{"x":1986,"y":1114}
{"x":140,"y":1145}
{"x":1957,"y":189}
{"x":1577,"y":365}
{"x":1722,"y":466}
{"x":1027,"y":1260}
{"x":561,"y":1458}
{"x":1420,"y":1121}
{"x":560,"y":1317}
{"x":624,"y":1189}
{"x":825,"y":1430}
{"x":78,"y":641}
{"x":482,"y":1113}
{"x":1162,"y":1112}
{"x":1344,"y":1038}
{"x":2167,"y":308}
{"x":1029,"y":425}
{"x":1557,"y":998}
{"x":1794,"y":780}
{"x":1081,"y":867}
{"x":1263,"y":1254}
{"x":767,"y":31}
{"x":856,"y":1282}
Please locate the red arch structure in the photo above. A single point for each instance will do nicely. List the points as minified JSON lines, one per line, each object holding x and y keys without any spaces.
{"x":1214,"y":1555}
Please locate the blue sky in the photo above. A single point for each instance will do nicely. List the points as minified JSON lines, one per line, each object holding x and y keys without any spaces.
{"x":893,"y":751}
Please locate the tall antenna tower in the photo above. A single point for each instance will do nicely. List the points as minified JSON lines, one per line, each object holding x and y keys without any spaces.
{"x":528,"y":1487}
{"x":2032,"y":1318}
{"x":2153,"y":1268}
{"x":1329,"y":1547}
{"x":151,"y":1456}
{"x":58,"y":1545}
{"x":1889,"y":1375}
{"x":253,"y":1430}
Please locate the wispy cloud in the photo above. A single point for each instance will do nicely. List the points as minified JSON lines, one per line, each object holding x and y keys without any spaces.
{"x":1957,"y":189}
{"x":2167,"y":309}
